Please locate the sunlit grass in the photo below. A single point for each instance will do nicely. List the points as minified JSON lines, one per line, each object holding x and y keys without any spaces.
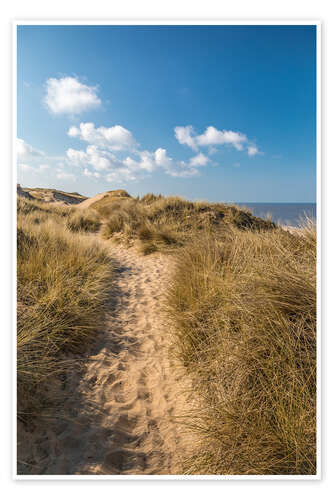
{"x":63,"y":280}
{"x":245,"y":312}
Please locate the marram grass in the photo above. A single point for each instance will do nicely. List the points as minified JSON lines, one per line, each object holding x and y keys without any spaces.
{"x":63,"y":279}
{"x":245,"y":312}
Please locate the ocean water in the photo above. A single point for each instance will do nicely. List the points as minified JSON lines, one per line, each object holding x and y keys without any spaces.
{"x":289,"y":214}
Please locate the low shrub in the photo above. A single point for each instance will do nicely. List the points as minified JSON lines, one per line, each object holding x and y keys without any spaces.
{"x":145,"y":232}
{"x":114,"y":224}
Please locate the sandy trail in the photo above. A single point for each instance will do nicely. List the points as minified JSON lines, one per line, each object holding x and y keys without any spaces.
{"x":124,"y":408}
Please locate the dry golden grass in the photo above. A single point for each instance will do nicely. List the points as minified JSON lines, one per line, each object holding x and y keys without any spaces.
{"x":63,"y":280}
{"x":148,"y":247}
{"x":245,"y":309}
{"x":244,"y":304}
{"x":168,"y":222}
{"x":86,"y":221}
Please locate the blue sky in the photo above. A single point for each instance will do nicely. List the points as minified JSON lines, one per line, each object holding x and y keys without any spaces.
{"x":223,"y":113}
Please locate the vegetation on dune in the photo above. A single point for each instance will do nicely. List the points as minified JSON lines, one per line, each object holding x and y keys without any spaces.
{"x":243,"y":301}
{"x":245,"y":312}
{"x":74,"y":219}
{"x":63,"y":280}
{"x":168,"y":222}
{"x":87,"y":221}
{"x":105,"y":206}
{"x":29,"y":206}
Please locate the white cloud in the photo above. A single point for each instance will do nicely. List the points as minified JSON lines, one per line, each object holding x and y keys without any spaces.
{"x":24,"y":150}
{"x":107,"y":145}
{"x":116,"y":138}
{"x":68,"y":95}
{"x":213,"y":136}
{"x":252,"y":150}
{"x":121,"y":175}
{"x":184,"y":172}
{"x":175,"y":169}
{"x":162,"y":160}
{"x":65,"y":176}
{"x":98,"y":158}
{"x":104,"y":154}
{"x":146,"y":162}
{"x":76,"y":157}
{"x":112,"y":154}
{"x":184,"y":135}
{"x":131,"y":168}
{"x":73,"y":132}
{"x":200,"y":160}
{"x":88,"y":173}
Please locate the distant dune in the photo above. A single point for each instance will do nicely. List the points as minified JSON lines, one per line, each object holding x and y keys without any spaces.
{"x":118,"y":193}
{"x":50,"y":195}
{"x":23,"y":193}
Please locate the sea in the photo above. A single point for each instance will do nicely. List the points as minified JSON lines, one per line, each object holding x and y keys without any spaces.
{"x":286,"y":214}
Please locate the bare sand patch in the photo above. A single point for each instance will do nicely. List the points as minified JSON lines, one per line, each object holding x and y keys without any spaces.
{"x":90,"y":201}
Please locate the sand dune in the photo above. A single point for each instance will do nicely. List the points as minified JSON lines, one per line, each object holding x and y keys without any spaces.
{"x":116,"y":193}
{"x":124,"y":408}
{"x":90,"y":201}
{"x":53,"y":196}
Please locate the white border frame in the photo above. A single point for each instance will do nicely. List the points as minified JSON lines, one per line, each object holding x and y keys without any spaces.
{"x":177,"y":22}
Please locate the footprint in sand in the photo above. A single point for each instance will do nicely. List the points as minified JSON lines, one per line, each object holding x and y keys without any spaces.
{"x":131,"y":391}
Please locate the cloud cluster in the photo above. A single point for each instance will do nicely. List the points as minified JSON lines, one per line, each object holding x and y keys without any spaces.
{"x":24,"y":150}
{"x":185,"y":135}
{"x":115,"y":138}
{"x":68,"y":95}
{"x":214,"y":137}
{"x":116,"y":154}
{"x":200,"y":160}
{"x":112,"y":153}
{"x":94,"y":156}
{"x":252,"y":150}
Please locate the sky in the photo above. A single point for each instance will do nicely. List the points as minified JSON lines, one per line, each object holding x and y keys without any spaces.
{"x":222,"y":113}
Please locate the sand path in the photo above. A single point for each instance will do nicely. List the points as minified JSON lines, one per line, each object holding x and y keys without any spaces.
{"x":125,"y":409}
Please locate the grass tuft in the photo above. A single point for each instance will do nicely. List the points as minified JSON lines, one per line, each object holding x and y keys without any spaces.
{"x":148,"y":247}
{"x":84,"y":221}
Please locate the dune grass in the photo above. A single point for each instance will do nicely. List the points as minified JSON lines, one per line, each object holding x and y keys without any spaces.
{"x":87,"y":221}
{"x":167,"y":223}
{"x":245,"y":312}
{"x":243,"y":301}
{"x":63,"y":280}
